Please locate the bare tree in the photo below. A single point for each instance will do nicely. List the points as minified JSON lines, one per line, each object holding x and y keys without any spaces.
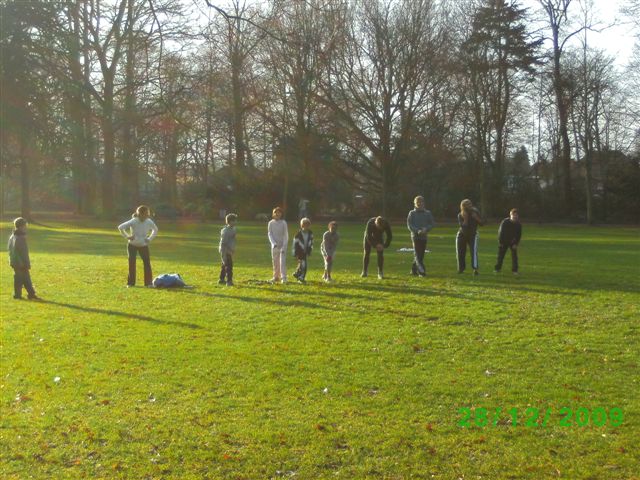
{"x":380,"y":83}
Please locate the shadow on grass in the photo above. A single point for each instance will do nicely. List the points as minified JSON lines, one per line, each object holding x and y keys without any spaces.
{"x":334,"y":291}
{"x":280,"y":302}
{"x":122,"y":314}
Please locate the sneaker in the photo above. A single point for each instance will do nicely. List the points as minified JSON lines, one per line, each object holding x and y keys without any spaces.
{"x":363,"y":274}
{"x":380,"y":276}
{"x":33,"y":297}
{"x":296,"y":274}
{"x":414,"y":273}
{"x":221,"y":282}
{"x":476,"y":272}
{"x":18,"y":297}
{"x":301,"y":280}
{"x":516,"y":273}
{"x":229,"y":283}
{"x":496,"y":271}
{"x":151,"y":285}
{"x":274,"y":280}
{"x":423,"y":274}
{"x":284,"y":280}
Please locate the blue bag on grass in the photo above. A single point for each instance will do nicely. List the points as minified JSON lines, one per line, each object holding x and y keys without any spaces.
{"x":168,"y":280}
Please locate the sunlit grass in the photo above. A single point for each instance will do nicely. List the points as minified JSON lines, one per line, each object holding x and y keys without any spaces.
{"x":358,"y":379}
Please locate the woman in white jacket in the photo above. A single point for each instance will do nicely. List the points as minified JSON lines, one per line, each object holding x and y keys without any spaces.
{"x":279,"y":239}
{"x":140,"y":230}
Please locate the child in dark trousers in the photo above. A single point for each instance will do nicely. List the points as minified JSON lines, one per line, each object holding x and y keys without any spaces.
{"x":376,"y":229}
{"x":19,"y":260}
{"x":302,"y":246}
{"x":227,"y":248}
{"x":509,"y":235}
{"x":469,"y":219}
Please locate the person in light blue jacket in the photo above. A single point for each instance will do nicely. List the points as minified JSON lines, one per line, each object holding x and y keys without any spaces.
{"x":419,"y":222}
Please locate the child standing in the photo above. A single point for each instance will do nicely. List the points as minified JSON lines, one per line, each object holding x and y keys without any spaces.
{"x":19,"y":260}
{"x":227,"y":248}
{"x":139,"y":231}
{"x":279,"y":239}
{"x":328,"y":249}
{"x":419,"y":222}
{"x":509,"y":235}
{"x":302,"y":247}
{"x":468,"y":219}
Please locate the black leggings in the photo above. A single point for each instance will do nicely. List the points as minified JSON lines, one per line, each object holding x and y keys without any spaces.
{"x":502,"y":250}
{"x":367,"y":254}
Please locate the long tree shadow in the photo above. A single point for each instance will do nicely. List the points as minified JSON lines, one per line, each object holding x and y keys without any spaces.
{"x":334,"y":291}
{"x":122,"y":314}
{"x":280,"y":302}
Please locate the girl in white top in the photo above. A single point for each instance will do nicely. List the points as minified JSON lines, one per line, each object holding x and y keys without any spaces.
{"x":139,"y":231}
{"x":279,"y":239}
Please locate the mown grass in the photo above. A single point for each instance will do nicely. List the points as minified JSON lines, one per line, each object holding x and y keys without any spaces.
{"x":358,"y":379}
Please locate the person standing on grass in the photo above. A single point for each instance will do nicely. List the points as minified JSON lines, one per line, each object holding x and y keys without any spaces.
{"x":419,"y":222}
{"x":469,"y":219}
{"x":302,"y":247}
{"x":19,"y":260}
{"x":278,"y":233}
{"x":227,"y":248}
{"x":509,"y":235}
{"x":376,"y":229}
{"x":139,"y":231}
{"x":328,"y":248}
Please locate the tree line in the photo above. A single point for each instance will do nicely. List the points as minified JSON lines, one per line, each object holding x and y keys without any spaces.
{"x":355,"y":105}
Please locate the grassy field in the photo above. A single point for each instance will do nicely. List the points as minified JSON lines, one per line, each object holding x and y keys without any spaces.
{"x":358,"y":379}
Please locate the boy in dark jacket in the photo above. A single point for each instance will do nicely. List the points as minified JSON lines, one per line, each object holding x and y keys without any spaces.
{"x":19,"y":260}
{"x":302,"y":246}
{"x":373,"y":233}
{"x":227,"y":248}
{"x":509,"y":235}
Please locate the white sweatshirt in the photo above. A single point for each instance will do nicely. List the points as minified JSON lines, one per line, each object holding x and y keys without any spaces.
{"x":139,"y":230}
{"x":278,"y":233}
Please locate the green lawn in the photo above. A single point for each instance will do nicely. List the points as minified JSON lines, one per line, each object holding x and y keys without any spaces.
{"x":358,"y":379}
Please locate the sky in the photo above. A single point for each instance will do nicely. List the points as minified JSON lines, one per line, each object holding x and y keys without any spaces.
{"x":616,"y":39}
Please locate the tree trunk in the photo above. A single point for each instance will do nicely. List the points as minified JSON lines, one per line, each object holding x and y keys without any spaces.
{"x":130,"y":184}
{"x":563,"y":120}
{"x":108,"y":133}
{"x":25,"y":177}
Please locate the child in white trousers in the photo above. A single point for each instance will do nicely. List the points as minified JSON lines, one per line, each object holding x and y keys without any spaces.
{"x":279,"y":239}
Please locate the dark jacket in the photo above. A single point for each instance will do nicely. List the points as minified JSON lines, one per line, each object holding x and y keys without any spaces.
{"x":300,"y":250}
{"x":373,"y":236}
{"x":509,"y":232}
{"x":470,"y":228}
{"x":18,"y":250}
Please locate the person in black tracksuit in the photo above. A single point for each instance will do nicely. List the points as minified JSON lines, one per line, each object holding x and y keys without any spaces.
{"x":509,"y":235}
{"x":376,"y":228}
{"x":302,"y":247}
{"x":469,"y":219}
